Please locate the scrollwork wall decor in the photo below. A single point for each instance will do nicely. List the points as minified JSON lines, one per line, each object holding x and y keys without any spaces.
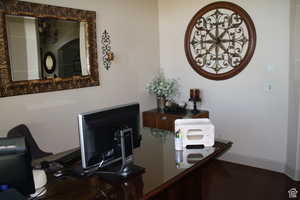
{"x":220,"y":40}
{"x":108,"y":55}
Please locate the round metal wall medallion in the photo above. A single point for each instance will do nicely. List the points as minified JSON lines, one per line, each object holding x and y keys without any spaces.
{"x":220,"y":40}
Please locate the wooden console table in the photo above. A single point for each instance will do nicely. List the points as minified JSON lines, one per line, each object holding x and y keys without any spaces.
{"x":168,"y":175}
{"x":154,"y":119}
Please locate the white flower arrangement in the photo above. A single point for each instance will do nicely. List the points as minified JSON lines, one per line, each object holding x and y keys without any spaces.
{"x":162,"y":87}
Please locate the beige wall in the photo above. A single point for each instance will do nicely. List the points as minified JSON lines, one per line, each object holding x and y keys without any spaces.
{"x":242,"y":108}
{"x":293,"y":142}
{"x":296,"y":79}
{"x":133,"y":25}
{"x":263,"y":124}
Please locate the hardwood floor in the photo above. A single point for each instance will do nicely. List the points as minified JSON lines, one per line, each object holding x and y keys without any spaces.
{"x":228,"y":181}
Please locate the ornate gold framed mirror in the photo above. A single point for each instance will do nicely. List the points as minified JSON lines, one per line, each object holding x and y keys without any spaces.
{"x":46,"y":48}
{"x":220,"y":40}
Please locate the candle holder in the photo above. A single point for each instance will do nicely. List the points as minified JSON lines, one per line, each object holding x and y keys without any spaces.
{"x":195,"y":100}
{"x":195,"y":97}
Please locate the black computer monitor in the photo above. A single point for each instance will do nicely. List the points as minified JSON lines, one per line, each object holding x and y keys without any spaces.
{"x":100,"y":134}
{"x":15,"y":165}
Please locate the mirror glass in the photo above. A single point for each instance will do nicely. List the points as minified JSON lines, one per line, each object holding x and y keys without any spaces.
{"x":43,"y":48}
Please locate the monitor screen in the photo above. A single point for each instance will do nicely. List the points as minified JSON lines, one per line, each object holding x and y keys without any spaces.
{"x":99,"y":134}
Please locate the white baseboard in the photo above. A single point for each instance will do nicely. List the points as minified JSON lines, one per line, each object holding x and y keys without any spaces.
{"x":254,"y":162}
{"x":292,"y":173}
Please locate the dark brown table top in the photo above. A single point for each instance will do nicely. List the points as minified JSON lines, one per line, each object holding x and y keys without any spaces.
{"x":163,"y":164}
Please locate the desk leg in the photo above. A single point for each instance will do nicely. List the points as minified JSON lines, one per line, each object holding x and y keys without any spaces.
{"x":192,"y":185}
{"x":187,"y":188}
{"x":133,"y":189}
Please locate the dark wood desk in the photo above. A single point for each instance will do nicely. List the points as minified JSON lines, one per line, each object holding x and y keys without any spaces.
{"x":165,"y":121}
{"x":169,"y":174}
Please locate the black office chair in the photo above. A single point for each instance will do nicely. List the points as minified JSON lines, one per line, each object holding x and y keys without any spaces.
{"x":23,"y":131}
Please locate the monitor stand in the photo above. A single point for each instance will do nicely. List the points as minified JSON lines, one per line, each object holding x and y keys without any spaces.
{"x":130,"y":170}
{"x":127,"y":151}
{"x":126,"y":141}
{"x":127,"y":168}
{"x":115,"y":172}
{"x":120,"y":176}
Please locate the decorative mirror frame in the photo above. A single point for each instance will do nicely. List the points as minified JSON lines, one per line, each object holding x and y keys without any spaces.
{"x":251,"y":40}
{"x":8,"y":87}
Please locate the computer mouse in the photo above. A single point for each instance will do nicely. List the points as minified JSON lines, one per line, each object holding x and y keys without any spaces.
{"x":58,"y":174}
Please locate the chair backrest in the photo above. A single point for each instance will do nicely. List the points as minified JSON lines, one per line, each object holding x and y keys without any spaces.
{"x":23,"y":131}
{"x":15,"y":165}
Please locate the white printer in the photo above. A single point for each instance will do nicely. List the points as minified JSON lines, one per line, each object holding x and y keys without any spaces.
{"x":195,"y":132}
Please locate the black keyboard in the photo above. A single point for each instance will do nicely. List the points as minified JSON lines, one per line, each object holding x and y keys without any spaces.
{"x":70,"y":158}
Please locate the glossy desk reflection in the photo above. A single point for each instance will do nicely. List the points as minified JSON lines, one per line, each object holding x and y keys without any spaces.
{"x":163,"y":164}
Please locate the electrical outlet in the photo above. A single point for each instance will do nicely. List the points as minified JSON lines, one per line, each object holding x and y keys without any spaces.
{"x":270,"y":68}
{"x":268,"y":87}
